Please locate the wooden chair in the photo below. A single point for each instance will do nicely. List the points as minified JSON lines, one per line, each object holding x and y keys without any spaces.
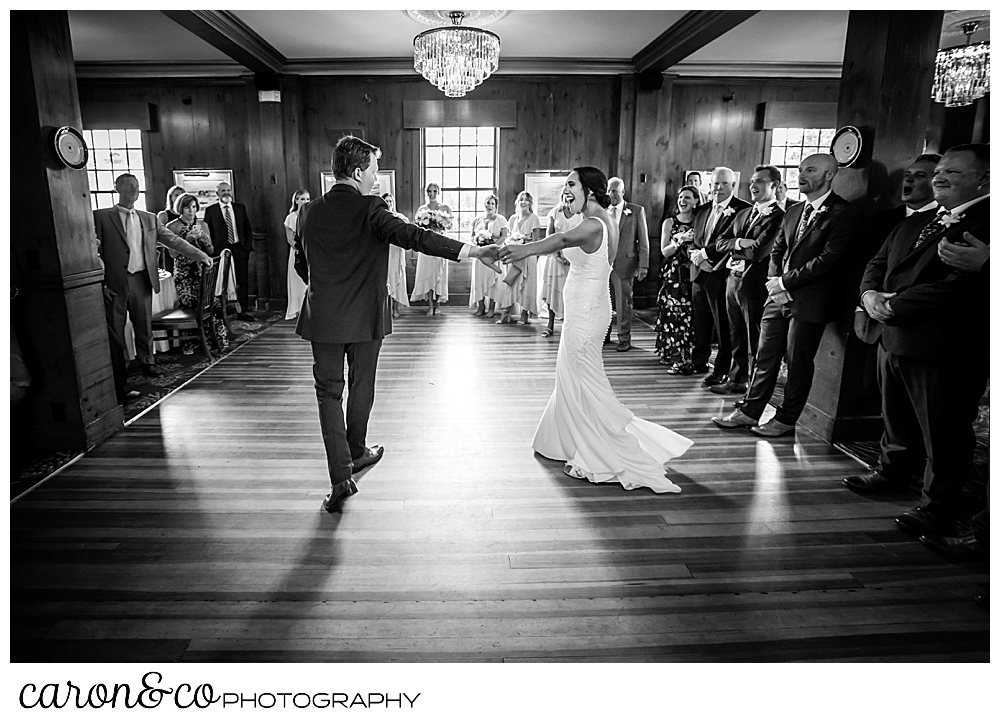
{"x":225,"y":263}
{"x":188,"y":324}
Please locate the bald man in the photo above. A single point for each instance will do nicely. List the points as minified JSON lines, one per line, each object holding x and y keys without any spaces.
{"x":808,"y":275}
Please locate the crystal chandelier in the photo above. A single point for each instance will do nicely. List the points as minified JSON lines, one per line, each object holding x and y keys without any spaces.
{"x":962,"y":74}
{"x":454,"y":58}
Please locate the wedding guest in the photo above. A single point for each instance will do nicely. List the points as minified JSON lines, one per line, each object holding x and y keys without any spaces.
{"x":674,"y":333}
{"x":230,"y":226}
{"x":781,"y":195}
{"x":397,"y":264}
{"x":490,"y":228}
{"x":187,"y":273}
{"x":296,"y":286}
{"x":431,"y":280}
{"x":806,"y":278}
{"x":522,"y":222}
{"x":631,"y":261}
{"x":555,"y":266}
{"x":167,"y":214}
{"x":933,"y":351}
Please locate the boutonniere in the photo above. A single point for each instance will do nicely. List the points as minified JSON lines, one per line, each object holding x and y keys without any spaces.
{"x":728,"y":211}
{"x":948,"y":219}
{"x":627,"y":211}
{"x":819,"y":212}
{"x":768,"y":210}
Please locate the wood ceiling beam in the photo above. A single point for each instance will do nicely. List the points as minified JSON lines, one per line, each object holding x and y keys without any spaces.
{"x":693,"y":31}
{"x":226,"y":32}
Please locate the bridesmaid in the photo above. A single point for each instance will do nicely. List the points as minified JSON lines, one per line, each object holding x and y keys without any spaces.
{"x":397,"y":265}
{"x":296,"y":286}
{"x":483,"y":277}
{"x":522,"y":222}
{"x":674,"y":334}
{"x":431,"y":280}
{"x":555,"y":266}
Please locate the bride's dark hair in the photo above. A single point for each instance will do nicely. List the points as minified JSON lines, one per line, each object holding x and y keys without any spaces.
{"x":594,"y":181}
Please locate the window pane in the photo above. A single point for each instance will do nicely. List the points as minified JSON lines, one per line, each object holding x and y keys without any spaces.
{"x":484,"y":177}
{"x":467,"y":199}
{"x":434,"y":156}
{"x":450,"y":199}
{"x":469,"y":136}
{"x":467,"y":156}
{"x":434,"y":175}
{"x":118,"y":160}
{"x":777,"y":155}
{"x":467,"y":178}
{"x":451,"y":136}
{"x":811,"y":136}
{"x":450,"y":177}
{"x":484,"y":156}
{"x":451,"y":155}
{"x":105,"y":181}
{"x":779,"y":136}
{"x":794,"y":136}
{"x":791,"y":178}
{"x":140,"y":202}
{"x":117,"y":138}
{"x":101,"y":139}
{"x":794,"y":155}
{"x":135,"y":159}
{"x":133,"y":138}
{"x":92,"y":179}
{"x":826,"y":137}
{"x":487,"y":136}
{"x":102,"y":158}
{"x":465,"y":221}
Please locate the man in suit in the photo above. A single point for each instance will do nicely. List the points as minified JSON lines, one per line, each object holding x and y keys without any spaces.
{"x":917,"y":196}
{"x":781,"y":196}
{"x":708,"y":276}
{"x":230,"y":227}
{"x":345,"y":237}
{"x":934,"y":346}
{"x":632,"y":259}
{"x":748,"y":243}
{"x":126,"y":241}
{"x":807,"y":275}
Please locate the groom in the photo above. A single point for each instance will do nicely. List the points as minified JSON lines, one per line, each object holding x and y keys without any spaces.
{"x":345,"y":236}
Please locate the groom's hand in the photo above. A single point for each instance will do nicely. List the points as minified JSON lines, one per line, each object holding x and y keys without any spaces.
{"x":487,"y":254}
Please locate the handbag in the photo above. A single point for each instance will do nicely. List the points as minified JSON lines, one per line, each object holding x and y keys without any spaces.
{"x":866,"y":328}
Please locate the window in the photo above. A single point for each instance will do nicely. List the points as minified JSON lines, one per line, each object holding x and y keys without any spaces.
{"x":462,"y":161}
{"x":112,"y":153}
{"x":790,"y":145}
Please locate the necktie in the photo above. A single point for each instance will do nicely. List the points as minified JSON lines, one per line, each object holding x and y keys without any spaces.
{"x":230,"y":231}
{"x":614,"y":213}
{"x":932,"y":227}
{"x":134,"y":240}
{"x":712,"y":220}
{"x":807,"y":213}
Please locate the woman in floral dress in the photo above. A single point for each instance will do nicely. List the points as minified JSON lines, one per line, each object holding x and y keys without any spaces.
{"x":674,"y":333}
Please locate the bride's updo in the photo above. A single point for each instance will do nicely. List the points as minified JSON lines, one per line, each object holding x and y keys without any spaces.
{"x":594,"y":181}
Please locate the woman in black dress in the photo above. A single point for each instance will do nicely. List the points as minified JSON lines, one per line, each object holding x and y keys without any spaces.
{"x":674,"y":334}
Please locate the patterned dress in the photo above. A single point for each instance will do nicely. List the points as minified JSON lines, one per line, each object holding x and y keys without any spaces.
{"x":187,"y":277}
{"x":674,"y":333}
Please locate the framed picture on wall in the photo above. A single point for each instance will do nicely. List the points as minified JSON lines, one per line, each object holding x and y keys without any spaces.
{"x":546,"y":188}
{"x":201,"y":182}
{"x":702,"y":180}
{"x":326,"y":181}
{"x":385,"y":182}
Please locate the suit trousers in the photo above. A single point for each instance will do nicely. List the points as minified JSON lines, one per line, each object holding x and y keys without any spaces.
{"x":137,"y":303}
{"x":344,"y":442}
{"x":929,"y":410}
{"x":708,"y":313}
{"x":797,"y":341}
{"x":745,"y":299}
{"x":622,"y":297}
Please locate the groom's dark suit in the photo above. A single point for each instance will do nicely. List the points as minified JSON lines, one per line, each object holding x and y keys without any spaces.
{"x":933,"y":360}
{"x":814,"y":268}
{"x":345,"y":238}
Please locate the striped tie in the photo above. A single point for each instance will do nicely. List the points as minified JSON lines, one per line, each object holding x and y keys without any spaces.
{"x":932,"y":227}
{"x":807,"y":213}
{"x":230,"y":231}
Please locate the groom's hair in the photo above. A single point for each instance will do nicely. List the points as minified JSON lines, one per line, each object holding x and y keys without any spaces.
{"x":594,"y":180}
{"x":352,"y":153}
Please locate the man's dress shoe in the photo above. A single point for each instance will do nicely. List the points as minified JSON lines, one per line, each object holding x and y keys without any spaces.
{"x":963,"y":547}
{"x":872,"y":483}
{"x":244,"y":316}
{"x":338,"y":493}
{"x":772,"y":428}
{"x":371,"y":456}
{"x":713,"y":379}
{"x":735,"y":420}
{"x":623,"y":346}
{"x":151,"y":370}
{"x":729,"y":387}
{"x":921,"y":521}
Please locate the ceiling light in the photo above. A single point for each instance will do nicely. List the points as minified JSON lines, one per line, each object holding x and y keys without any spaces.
{"x":455,"y":58}
{"x":962,"y":74}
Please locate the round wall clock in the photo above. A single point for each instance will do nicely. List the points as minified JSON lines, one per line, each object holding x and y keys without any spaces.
{"x":846,"y":145}
{"x":71,"y":149}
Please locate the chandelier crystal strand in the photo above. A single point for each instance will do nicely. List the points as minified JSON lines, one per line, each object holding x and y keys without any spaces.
{"x":962,"y":74}
{"x":456,"y":59}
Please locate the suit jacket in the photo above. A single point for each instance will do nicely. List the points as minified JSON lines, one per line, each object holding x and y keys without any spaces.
{"x":815,"y":269}
{"x":345,"y":237}
{"x":763,"y":230}
{"x":114,"y":251}
{"x":633,"y":242}
{"x":940,"y":314}
{"x":708,"y":242}
{"x":217,"y":227}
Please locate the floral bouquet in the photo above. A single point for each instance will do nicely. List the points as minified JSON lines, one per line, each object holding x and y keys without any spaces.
{"x":435,"y":219}
{"x":483,"y":237}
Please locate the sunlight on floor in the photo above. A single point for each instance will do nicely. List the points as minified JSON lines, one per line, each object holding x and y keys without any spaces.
{"x":769,"y":502}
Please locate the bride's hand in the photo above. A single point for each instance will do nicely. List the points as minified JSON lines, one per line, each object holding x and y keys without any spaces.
{"x":514,"y":252}
{"x":486,"y":254}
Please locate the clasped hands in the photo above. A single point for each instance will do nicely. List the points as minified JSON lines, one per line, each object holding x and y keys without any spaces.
{"x":699,"y":257}
{"x":513,"y":252}
{"x":775,"y":292}
{"x":487,"y":254}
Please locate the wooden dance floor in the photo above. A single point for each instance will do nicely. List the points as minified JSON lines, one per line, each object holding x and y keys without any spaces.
{"x":197,"y":534}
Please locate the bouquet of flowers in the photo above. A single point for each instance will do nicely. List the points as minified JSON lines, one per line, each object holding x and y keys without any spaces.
{"x":435,"y":219}
{"x":483,"y":237}
{"x":518,"y":238}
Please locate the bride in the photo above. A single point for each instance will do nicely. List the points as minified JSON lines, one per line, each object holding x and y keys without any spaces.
{"x":584,"y":424}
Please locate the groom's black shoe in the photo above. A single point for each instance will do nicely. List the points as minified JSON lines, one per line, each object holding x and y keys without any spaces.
{"x":338,"y":493}
{"x":371,"y":456}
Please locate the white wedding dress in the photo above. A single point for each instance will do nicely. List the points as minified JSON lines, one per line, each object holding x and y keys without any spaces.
{"x":584,"y":424}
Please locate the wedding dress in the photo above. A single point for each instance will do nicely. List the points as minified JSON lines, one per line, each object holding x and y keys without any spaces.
{"x":584,"y":424}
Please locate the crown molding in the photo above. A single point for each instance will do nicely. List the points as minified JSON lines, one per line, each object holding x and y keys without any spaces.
{"x":778,"y":69}
{"x":205,"y":70}
{"x":508,"y":66}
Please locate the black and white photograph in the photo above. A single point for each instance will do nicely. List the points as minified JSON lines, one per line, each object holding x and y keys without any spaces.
{"x":550,"y":335}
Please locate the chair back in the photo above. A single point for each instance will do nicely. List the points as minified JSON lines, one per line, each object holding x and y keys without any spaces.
{"x":206,"y":292}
